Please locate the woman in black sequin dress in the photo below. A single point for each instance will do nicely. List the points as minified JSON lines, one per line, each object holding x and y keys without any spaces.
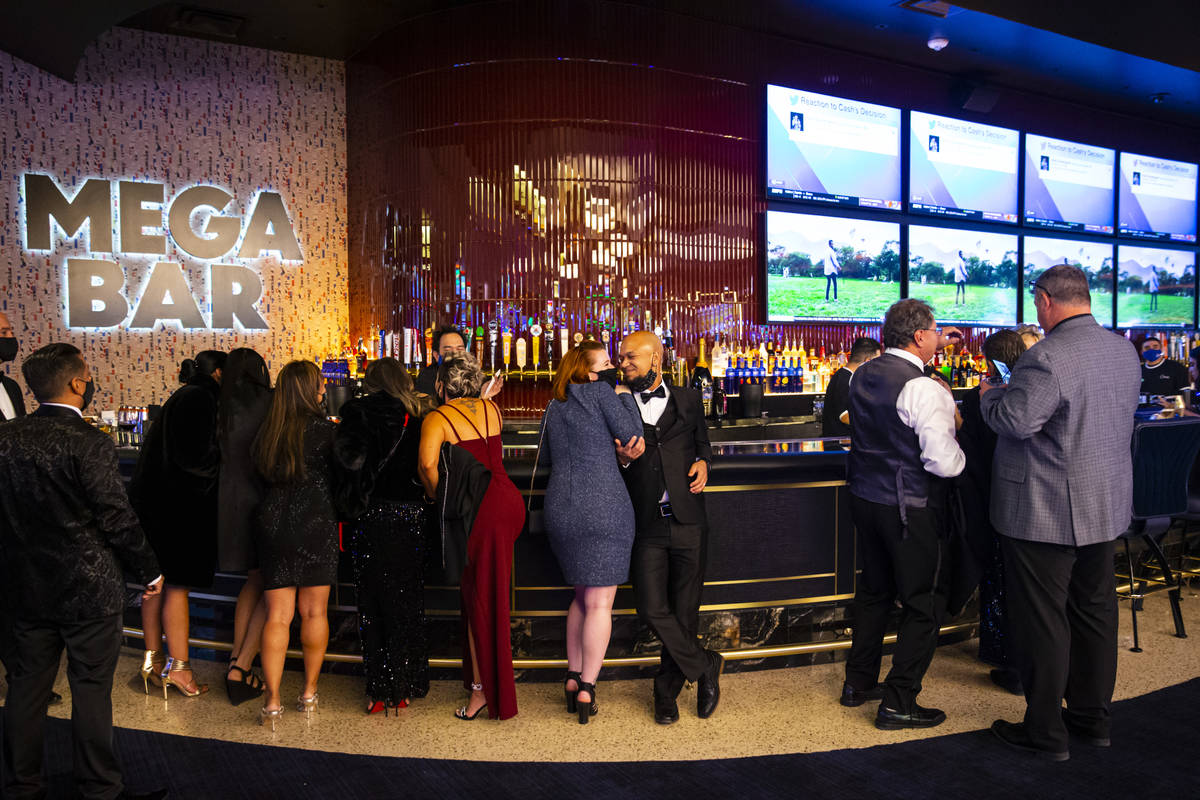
{"x":296,"y":528}
{"x":375,"y":452}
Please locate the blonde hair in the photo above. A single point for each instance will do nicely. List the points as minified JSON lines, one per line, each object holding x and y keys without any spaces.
{"x":460,"y":376}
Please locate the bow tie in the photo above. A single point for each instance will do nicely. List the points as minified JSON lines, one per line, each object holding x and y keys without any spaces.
{"x":661,"y":391}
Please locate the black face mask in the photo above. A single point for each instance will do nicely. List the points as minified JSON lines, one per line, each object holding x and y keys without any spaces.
{"x":89,"y":391}
{"x":8,"y":348}
{"x":642,"y":383}
{"x":610,"y":376}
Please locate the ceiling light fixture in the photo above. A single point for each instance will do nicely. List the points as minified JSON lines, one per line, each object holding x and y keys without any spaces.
{"x":938,"y":43}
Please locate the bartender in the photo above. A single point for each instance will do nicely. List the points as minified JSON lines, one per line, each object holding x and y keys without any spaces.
{"x":448,"y":342}
{"x":1161,"y":375}
{"x":837,"y":395}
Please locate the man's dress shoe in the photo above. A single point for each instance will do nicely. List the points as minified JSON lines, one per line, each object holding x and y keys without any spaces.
{"x":888,"y":719}
{"x":708,"y":688}
{"x":853,"y":698}
{"x":1013,"y":734}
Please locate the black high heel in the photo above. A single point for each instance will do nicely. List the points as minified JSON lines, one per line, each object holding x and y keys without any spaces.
{"x":568,"y":694}
{"x":587,"y":709}
{"x":239,"y":691}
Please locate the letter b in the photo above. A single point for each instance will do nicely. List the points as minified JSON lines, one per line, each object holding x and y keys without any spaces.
{"x":92,"y":282}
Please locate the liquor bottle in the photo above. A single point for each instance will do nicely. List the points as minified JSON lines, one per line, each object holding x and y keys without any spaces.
{"x":702,"y":381}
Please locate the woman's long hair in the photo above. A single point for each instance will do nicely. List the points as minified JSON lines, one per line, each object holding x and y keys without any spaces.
{"x":387,"y":375}
{"x":243,"y":379}
{"x":278,"y":450}
{"x":575,"y":367}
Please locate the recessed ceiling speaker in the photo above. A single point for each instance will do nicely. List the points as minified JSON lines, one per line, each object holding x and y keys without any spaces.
{"x":975,"y":97}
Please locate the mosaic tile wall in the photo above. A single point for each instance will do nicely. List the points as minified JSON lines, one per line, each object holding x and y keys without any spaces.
{"x":181,"y":112}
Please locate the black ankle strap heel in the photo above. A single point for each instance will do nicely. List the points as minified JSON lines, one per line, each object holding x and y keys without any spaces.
{"x":569,"y":694}
{"x":588,"y":709}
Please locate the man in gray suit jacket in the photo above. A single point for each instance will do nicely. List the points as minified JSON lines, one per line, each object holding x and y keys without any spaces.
{"x":1062,"y":492}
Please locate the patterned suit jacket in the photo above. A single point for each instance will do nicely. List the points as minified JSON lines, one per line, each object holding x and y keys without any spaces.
{"x":67,"y":530}
{"x":1063,"y":472}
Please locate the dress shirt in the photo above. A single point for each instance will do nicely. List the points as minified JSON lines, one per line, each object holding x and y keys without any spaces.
{"x":6,"y":406}
{"x":653,"y":408}
{"x":64,"y":405}
{"x":927,"y":408}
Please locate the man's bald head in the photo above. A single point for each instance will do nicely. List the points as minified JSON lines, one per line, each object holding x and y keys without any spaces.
{"x":642,"y":339}
{"x":640,"y":355}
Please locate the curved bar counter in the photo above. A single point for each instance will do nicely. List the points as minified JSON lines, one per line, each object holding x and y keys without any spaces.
{"x":780,"y":566}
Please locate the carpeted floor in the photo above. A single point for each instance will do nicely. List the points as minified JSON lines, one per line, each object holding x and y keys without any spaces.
{"x":1155,"y":744}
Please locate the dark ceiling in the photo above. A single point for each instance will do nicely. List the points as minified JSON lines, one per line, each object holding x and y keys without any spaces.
{"x":1113,"y":54}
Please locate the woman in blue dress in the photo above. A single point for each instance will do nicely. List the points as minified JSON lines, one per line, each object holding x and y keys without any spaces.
{"x":589,"y":517}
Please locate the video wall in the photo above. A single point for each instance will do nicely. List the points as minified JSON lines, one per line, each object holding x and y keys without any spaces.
{"x":972,"y":181}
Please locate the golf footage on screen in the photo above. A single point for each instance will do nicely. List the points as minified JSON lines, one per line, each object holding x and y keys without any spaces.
{"x":1154,"y":286}
{"x":831,"y":150}
{"x":1068,"y":185}
{"x":1094,"y":258}
{"x":968,"y":276}
{"x":1158,"y":198}
{"x":962,"y":169}
{"x":830,"y":268}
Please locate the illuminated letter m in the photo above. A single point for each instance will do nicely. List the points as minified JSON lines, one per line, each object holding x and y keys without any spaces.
{"x":92,"y":204}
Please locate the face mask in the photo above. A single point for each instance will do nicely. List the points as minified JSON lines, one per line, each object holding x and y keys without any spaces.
{"x":1152,"y":355}
{"x":8,"y":348}
{"x":644,"y":382}
{"x":609,"y":376}
{"x":89,"y":391}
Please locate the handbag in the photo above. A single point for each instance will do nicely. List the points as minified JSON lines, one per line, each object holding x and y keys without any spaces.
{"x":535,"y":519}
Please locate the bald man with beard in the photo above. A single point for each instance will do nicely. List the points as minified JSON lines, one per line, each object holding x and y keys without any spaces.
{"x":665,"y":485}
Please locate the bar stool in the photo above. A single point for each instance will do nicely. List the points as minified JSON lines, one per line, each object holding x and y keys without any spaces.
{"x":1163,"y":454}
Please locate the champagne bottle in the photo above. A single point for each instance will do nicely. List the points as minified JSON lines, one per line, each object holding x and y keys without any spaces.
{"x":702,"y":381}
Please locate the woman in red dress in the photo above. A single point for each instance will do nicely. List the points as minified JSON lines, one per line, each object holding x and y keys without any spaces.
{"x":467,"y":422}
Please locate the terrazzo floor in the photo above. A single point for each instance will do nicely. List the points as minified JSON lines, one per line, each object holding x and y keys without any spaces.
{"x":761,"y":713}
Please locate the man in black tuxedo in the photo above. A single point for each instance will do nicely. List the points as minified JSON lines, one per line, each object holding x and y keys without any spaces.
{"x":66,"y":533}
{"x":667,"y":566}
{"x":12,"y":404}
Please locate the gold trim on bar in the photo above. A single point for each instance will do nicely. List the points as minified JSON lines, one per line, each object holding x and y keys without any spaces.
{"x":737,"y":487}
{"x":757,"y":487}
{"x":772,"y":651}
{"x":772,"y":580}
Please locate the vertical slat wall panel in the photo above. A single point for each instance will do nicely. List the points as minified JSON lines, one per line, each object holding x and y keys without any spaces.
{"x":649,"y":170}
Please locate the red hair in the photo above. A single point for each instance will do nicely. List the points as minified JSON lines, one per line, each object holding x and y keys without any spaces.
{"x":576,"y":367}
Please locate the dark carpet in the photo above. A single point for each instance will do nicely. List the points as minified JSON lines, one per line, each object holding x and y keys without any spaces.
{"x":1156,"y":740}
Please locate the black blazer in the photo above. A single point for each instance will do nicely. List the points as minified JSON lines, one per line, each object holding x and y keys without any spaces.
{"x":672,"y":446}
{"x":67,"y":530}
{"x":14,"y":394}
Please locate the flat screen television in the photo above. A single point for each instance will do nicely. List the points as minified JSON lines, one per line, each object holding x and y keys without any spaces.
{"x":1094,"y":258}
{"x":969,"y":277}
{"x":1158,"y":199}
{"x":1068,"y":185}
{"x":831,"y":150}
{"x":1155,"y":287}
{"x":961,"y":169}
{"x":830,"y":268}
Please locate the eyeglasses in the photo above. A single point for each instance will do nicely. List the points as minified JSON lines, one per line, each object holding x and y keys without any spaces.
{"x":1034,"y":286}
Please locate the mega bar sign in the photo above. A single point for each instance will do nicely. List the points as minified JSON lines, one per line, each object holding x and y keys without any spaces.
{"x":97,"y":295}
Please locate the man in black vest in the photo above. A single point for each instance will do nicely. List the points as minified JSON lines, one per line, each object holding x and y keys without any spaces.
{"x":68,"y":533}
{"x":12,"y":404}
{"x":667,"y":567}
{"x":902,"y":451}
